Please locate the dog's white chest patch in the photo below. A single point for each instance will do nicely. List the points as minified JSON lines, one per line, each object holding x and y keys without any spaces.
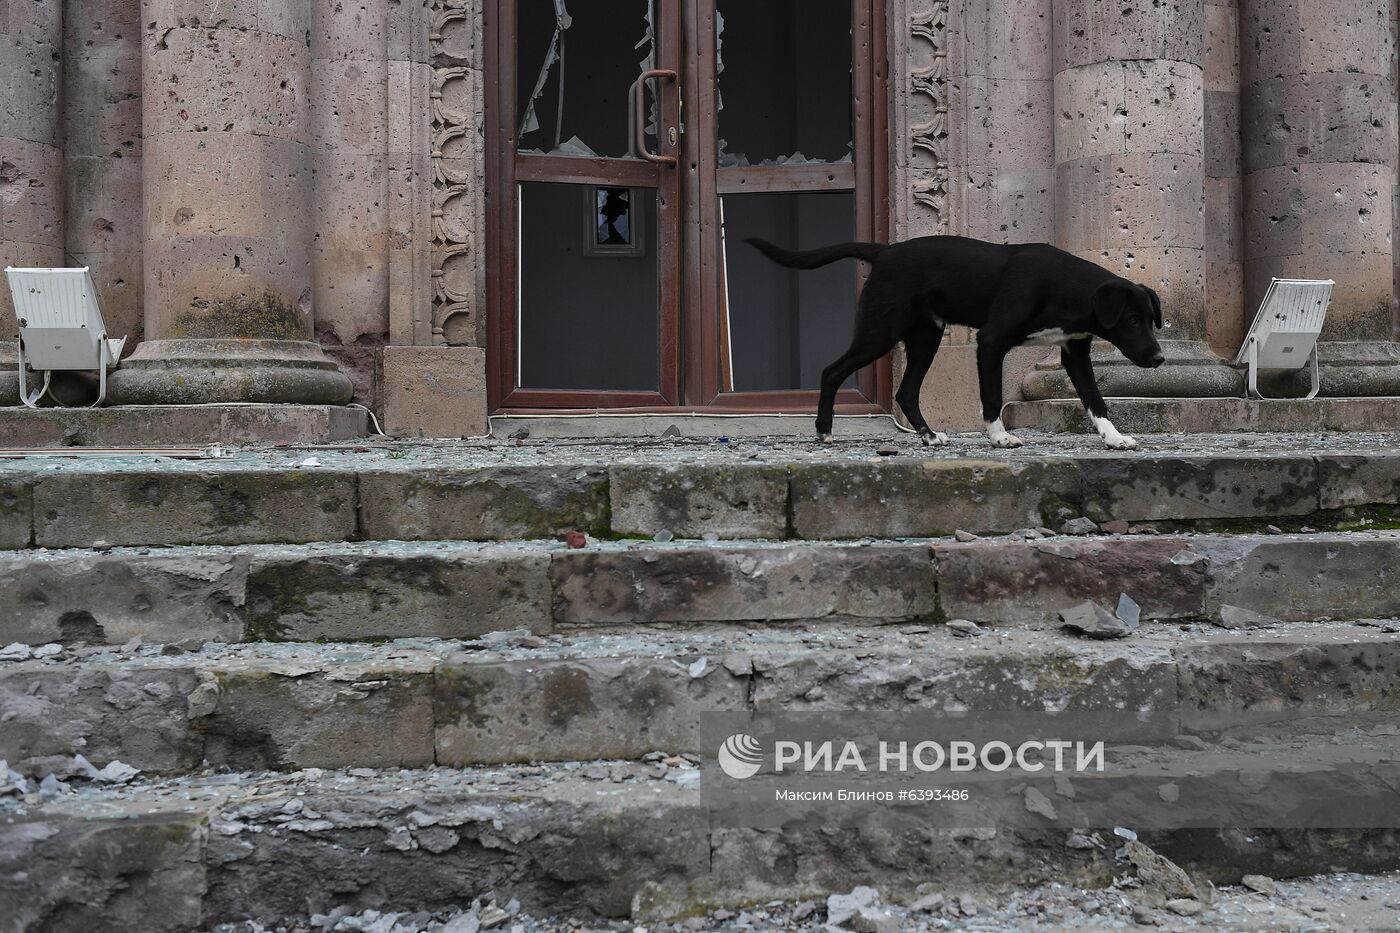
{"x":1052,"y":337}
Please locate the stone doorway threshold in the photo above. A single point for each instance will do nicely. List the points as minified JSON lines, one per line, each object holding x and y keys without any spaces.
{"x":682,"y":424}
{"x":250,"y":425}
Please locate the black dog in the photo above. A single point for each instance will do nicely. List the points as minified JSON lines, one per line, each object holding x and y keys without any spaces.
{"x":1013,"y":295}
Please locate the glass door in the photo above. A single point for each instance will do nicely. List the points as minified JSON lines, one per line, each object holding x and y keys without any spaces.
{"x":784,"y":154}
{"x":584,"y":203}
{"x":632,"y":146}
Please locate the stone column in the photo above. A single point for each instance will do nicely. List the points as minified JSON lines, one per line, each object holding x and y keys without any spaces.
{"x":102,"y":156}
{"x":1319,"y":173}
{"x":228,"y":213}
{"x":31,"y":156}
{"x":1130,"y":179}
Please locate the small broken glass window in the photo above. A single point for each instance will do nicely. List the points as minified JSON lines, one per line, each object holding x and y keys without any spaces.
{"x":575,"y":101}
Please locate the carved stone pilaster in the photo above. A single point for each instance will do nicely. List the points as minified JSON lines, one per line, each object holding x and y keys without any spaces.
{"x":458,"y":175}
{"x":919,"y":62}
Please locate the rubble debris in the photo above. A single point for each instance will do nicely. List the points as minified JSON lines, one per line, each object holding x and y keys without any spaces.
{"x":1261,"y":884}
{"x":1114,"y":528}
{"x":1184,"y":906}
{"x":1039,"y":804}
{"x":1057,"y":549}
{"x":1079,"y":526}
{"x":1162,"y":879}
{"x":966,"y":536}
{"x":575,"y":539}
{"x":1094,"y":621}
{"x":965,"y":629}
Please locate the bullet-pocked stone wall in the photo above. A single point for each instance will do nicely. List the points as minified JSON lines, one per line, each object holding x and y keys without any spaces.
{"x":31,"y":141}
{"x":228,"y":169}
{"x":349,"y":140}
{"x":1318,"y":126}
{"x":1129,"y":145}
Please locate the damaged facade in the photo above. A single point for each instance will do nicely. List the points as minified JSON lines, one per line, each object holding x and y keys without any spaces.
{"x":447,"y":208}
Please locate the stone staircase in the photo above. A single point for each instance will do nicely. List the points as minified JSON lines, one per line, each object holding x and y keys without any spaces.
{"x":376,"y":676}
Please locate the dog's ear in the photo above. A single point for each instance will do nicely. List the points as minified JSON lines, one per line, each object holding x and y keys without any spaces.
{"x":1109,"y":301}
{"x":1156,"y":307}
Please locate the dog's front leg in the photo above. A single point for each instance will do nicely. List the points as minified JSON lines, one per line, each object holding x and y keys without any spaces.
{"x":991,"y":354}
{"x":1074,"y":356}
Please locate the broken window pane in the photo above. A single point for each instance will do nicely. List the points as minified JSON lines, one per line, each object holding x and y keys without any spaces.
{"x":589,"y":288}
{"x":784,"y":81}
{"x":575,"y":60}
{"x":785,"y":326}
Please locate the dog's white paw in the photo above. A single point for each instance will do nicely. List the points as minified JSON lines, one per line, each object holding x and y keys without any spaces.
{"x":933,"y":438}
{"x":999,"y":436}
{"x":1120,"y":442}
{"x":824,"y":438}
{"x":1111,"y":438}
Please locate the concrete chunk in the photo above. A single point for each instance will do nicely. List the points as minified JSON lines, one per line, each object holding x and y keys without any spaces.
{"x":742,"y":501}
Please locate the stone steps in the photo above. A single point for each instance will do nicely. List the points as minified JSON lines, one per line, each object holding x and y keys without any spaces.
{"x":449,"y":589}
{"x":415,"y":703}
{"x":603,"y":838}
{"x":494,"y":495}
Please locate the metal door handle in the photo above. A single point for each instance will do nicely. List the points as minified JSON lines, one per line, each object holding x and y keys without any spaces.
{"x":639,"y":122}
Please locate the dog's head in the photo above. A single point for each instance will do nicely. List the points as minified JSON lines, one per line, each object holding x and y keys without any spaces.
{"x":1125,"y":314}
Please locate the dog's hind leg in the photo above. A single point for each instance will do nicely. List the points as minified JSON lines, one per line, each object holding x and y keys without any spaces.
{"x":876,"y":332}
{"x":1074,"y":356}
{"x":860,"y":355}
{"x":920,"y":347}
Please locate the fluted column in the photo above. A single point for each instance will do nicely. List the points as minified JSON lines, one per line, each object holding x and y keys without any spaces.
{"x":1130,"y":179}
{"x":1319,"y":167}
{"x":228,"y":213}
{"x":31,"y":156}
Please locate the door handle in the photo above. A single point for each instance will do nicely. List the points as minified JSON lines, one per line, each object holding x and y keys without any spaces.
{"x":639,"y":122}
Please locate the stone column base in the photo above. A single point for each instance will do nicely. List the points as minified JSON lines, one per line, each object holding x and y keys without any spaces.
{"x":1191,"y":371}
{"x":1347,"y":369}
{"x":433,"y":391}
{"x":193,"y":371}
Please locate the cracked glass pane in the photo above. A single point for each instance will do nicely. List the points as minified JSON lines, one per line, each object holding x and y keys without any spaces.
{"x":575,"y":60}
{"x":784,"y":82}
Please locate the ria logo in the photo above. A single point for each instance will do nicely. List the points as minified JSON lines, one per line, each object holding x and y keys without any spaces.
{"x":740,"y":756}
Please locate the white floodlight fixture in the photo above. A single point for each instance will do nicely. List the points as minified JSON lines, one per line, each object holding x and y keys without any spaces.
{"x":1286,"y":329}
{"x":60,"y":328}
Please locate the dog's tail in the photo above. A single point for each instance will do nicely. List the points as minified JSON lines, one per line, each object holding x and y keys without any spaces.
{"x":812,"y":258}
